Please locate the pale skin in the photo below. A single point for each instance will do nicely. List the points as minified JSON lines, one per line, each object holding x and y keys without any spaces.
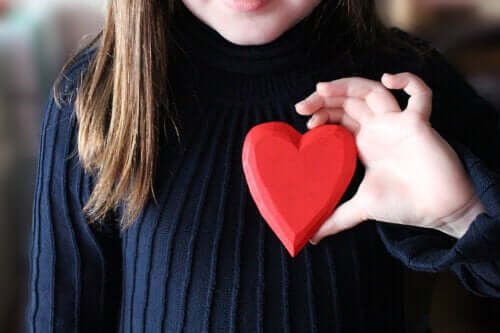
{"x":254,"y":27}
{"x":412,"y":175}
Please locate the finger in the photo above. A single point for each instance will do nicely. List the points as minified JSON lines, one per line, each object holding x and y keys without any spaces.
{"x":322,"y":117}
{"x":420,"y":94}
{"x":353,"y":87}
{"x":346,"y":216}
{"x":357,"y":109}
{"x":377,"y":97}
{"x":310,"y":104}
{"x":315,"y":102}
{"x":333,"y":116}
{"x":351,"y":124}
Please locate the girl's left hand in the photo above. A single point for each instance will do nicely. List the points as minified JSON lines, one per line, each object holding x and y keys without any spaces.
{"x":412,"y":176}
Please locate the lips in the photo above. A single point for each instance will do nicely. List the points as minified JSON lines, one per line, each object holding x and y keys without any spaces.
{"x":245,"y":5}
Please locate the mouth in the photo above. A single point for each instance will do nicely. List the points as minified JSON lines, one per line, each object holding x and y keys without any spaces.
{"x":246,"y":5}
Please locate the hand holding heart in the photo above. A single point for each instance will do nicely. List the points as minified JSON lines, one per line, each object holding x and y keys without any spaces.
{"x":412,"y":176}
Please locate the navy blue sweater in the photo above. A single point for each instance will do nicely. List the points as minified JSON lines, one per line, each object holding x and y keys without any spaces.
{"x":203,"y":259}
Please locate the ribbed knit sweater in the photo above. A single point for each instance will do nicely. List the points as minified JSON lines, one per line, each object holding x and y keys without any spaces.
{"x":203,"y":259}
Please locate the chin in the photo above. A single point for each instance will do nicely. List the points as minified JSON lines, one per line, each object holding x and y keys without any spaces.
{"x":255,"y":37}
{"x":257,"y":28}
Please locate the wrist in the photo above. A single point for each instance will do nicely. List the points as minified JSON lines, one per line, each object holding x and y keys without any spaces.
{"x":457,"y":224}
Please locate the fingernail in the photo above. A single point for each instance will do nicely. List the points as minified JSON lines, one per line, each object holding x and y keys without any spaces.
{"x":313,"y":243}
{"x":299,"y":105}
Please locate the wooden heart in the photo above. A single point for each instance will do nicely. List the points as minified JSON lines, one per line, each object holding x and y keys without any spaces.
{"x":297,"y":180}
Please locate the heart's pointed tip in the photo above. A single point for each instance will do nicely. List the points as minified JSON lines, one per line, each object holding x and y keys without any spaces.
{"x":291,"y":249}
{"x":295,"y":249}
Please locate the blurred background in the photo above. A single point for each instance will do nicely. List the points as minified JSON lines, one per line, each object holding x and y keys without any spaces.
{"x":36,"y":37}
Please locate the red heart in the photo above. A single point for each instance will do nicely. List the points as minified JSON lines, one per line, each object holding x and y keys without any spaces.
{"x":297,"y":180}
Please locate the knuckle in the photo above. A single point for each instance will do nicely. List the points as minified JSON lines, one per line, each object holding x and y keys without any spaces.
{"x":426,"y":92}
{"x":378,"y":88}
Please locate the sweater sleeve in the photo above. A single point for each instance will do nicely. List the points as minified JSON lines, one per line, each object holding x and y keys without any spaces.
{"x":470,"y":125}
{"x":68,"y":264}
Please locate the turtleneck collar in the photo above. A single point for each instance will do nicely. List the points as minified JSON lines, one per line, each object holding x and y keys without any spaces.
{"x":292,"y":50}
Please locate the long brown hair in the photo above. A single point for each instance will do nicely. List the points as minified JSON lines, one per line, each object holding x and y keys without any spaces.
{"x":125,"y":86}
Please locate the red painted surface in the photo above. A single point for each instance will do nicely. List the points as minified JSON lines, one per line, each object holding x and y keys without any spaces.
{"x":297,"y":180}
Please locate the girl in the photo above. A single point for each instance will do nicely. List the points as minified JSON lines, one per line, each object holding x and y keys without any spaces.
{"x":143,"y":221}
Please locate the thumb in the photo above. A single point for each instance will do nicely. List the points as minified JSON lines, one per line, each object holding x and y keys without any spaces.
{"x":346,"y":216}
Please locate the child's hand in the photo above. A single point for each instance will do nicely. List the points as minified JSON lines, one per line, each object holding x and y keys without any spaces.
{"x":412,"y":175}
